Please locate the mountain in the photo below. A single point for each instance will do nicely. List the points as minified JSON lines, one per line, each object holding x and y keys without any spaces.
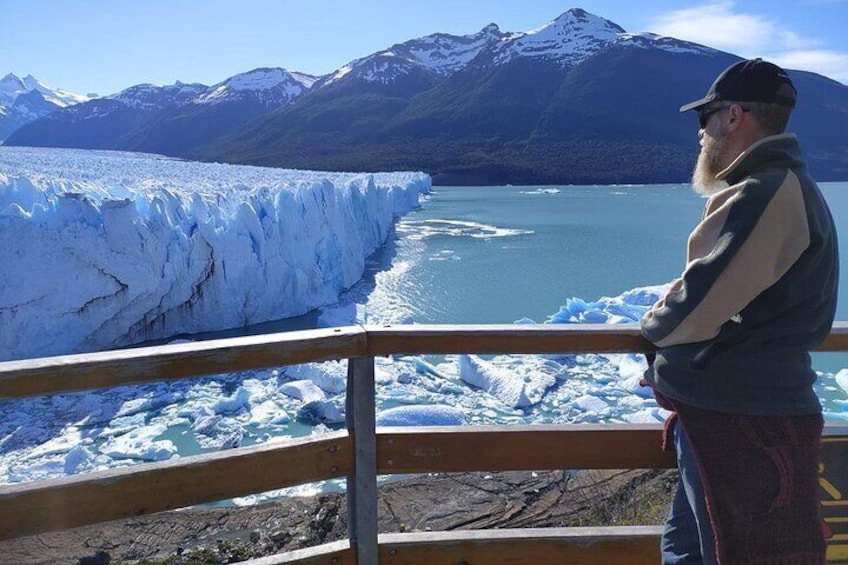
{"x":23,"y":100}
{"x":170,"y":119}
{"x":577,"y":100}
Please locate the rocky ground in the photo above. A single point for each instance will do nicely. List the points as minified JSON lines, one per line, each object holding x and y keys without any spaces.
{"x":432,"y":502}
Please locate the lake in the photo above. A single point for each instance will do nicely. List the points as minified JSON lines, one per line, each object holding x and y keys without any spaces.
{"x":496,"y":254}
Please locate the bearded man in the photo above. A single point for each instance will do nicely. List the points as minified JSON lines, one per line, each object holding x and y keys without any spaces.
{"x":733,"y":335}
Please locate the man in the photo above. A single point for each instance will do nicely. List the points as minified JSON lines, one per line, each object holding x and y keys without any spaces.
{"x":734,"y":333}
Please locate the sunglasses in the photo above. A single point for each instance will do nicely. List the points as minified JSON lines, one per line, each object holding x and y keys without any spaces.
{"x":707,"y":113}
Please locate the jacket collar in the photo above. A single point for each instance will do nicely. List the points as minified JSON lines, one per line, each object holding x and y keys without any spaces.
{"x":774,"y":150}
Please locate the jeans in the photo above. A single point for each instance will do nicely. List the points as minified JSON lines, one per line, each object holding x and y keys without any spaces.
{"x":688,"y":536}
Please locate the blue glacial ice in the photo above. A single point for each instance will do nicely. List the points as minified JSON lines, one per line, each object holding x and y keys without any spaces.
{"x":111,"y":248}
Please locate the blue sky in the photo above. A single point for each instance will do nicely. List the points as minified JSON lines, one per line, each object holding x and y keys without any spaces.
{"x":107,"y":45}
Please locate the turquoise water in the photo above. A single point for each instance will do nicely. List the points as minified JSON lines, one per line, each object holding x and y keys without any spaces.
{"x":584,"y":241}
{"x":497,"y":254}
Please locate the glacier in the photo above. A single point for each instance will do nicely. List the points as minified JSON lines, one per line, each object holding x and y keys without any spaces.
{"x":109,"y":249}
{"x":146,"y":209}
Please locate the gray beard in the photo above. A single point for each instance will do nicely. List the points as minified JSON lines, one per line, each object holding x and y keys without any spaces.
{"x":704,"y":181}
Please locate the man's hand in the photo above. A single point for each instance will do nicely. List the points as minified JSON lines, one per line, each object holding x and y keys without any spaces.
{"x":650,"y":356}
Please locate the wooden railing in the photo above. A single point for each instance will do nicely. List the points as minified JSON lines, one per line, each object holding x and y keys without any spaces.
{"x":361,"y":452}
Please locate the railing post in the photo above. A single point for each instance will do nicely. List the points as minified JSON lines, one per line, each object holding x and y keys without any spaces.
{"x":360,"y":415}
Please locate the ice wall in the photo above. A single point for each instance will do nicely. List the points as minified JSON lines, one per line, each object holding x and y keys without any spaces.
{"x":102,"y":249}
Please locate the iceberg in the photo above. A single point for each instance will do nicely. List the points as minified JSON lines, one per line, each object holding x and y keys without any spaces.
{"x":421,"y":415}
{"x":103,"y":249}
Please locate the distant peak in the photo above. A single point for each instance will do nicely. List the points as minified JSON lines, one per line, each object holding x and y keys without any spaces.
{"x":11,"y":78}
{"x":578,"y":17}
{"x":491,"y":29}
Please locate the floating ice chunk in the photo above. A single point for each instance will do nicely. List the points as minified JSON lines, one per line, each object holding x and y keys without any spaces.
{"x":69,"y":438}
{"x":541,"y":190}
{"x":518,"y":385}
{"x":77,"y":459}
{"x":345,"y":315}
{"x":304,"y":390}
{"x":425,"y":368}
{"x":330,"y":376}
{"x":590,"y":403}
{"x":140,"y":444}
{"x":158,"y":399}
{"x":644,"y":416}
{"x":417,"y":230}
{"x":268,"y":413}
{"x":321,"y":412}
{"x":308,"y":489}
{"x":235,"y":403}
{"x":842,"y":379}
{"x":421,"y":415}
{"x":644,"y":296}
{"x":233,"y":440}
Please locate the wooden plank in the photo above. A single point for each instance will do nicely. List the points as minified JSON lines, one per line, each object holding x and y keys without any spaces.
{"x":176,"y":361}
{"x":633,"y":545}
{"x":144,"y":489}
{"x":520,"y":448}
{"x":530,"y":338}
{"x":512,"y":338}
{"x":335,"y":553}
{"x":838,"y":338}
{"x":127,"y":366}
{"x":360,"y":416}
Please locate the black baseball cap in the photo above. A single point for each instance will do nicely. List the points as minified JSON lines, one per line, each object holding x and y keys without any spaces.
{"x":750,"y":80}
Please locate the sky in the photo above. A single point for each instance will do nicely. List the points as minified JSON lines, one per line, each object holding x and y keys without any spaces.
{"x":104,"y":46}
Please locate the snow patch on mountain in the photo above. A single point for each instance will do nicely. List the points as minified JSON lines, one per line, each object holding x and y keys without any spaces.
{"x":570,"y":38}
{"x":567,"y":40}
{"x":151,"y":96}
{"x":268,"y":85}
{"x":11,"y":86}
{"x":653,"y":41}
{"x":23,"y":100}
{"x":439,"y":53}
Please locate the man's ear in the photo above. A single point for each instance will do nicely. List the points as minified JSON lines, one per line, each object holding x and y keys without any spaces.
{"x":735,"y":114}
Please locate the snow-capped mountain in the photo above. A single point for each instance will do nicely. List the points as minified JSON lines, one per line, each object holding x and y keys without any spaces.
{"x":578,"y":100}
{"x":11,"y":87}
{"x":567,"y":40}
{"x":153,"y":97}
{"x":439,"y":53}
{"x":23,"y":100}
{"x":169,"y":119}
{"x":270,"y":86}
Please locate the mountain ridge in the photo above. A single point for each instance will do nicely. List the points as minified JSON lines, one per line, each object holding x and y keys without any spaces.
{"x":576,"y":100}
{"x":23,"y":100}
